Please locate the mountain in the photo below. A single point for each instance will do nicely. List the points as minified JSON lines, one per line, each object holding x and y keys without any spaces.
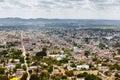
{"x":58,"y":22}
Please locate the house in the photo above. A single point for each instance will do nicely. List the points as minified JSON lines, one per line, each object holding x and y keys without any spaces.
{"x":1,"y":65}
{"x":103,"y":68}
{"x":80,"y":78}
{"x":79,"y":67}
{"x":19,"y":73}
{"x":71,"y":68}
{"x":62,"y":56}
{"x":16,"y":60}
{"x":10,"y":66}
{"x":56,"y":70}
{"x":53,"y":55}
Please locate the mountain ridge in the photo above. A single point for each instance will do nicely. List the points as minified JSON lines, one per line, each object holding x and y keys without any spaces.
{"x":58,"y":22}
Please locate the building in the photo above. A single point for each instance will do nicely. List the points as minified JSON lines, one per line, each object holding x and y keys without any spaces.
{"x":79,"y":67}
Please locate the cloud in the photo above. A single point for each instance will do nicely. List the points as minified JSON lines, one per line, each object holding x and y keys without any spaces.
{"x":64,"y":8}
{"x":2,"y":0}
{"x":106,"y":4}
{"x":87,"y":4}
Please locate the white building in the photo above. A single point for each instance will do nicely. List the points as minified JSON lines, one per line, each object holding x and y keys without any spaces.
{"x":79,"y":67}
{"x":75,"y":49}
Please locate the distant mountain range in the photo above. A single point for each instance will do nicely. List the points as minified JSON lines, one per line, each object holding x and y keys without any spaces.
{"x":58,"y":22}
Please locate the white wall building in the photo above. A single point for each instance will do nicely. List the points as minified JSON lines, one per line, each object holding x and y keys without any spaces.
{"x":79,"y":67}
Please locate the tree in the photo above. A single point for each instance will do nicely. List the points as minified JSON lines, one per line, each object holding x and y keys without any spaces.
{"x":82,"y":75}
{"x":28,"y":61}
{"x":56,"y":77}
{"x":64,"y":77}
{"x":37,"y":70}
{"x":50,"y":69}
{"x":117,"y":75}
{"x":30,"y":71}
{"x":87,"y":41}
{"x":4,"y":52}
{"x":69,"y":73}
{"x":24,"y":67}
{"x":87,"y":53}
{"x":2,"y":70}
{"x":19,"y":52}
{"x":115,"y":66}
{"x":21,"y":59}
{"x":92,"y":77}
{"x":34,"y":77}
{"x":18,"y":66}
{"x":118,"y":52}
{"x":41,"y":54}
{"x":3,"y":77}
{"x":65,"y":60}
{"x":102,"y":46}
{"x":73,"y":65}
{"x":44,"y":75}
{"x":24,"y":77}
{"x":27,"y":54}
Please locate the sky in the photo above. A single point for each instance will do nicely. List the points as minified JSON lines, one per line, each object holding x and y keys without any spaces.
{"x":62,"y":9}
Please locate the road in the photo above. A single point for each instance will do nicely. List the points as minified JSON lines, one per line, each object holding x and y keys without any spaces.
{"x":24,"y":54}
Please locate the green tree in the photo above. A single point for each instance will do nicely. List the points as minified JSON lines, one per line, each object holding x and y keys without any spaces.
{"x":92,"y":77}
{"x":118,"y":52}
{"x":64,"y":77}
{"x":34,"y":77}
{"x":56,"y":77}
{"x":87,"y":53}
{"x":2,"y":70}
{"x":50,"y":69}
{"x":18,"y":66}
{"x":82,"y":75}
{"x":24,"y":77}
{"x":4,"y":52}
{"x":30,"y":71}
{"x":44,"y":75}
{"x":69,"y":73}
{"x":65,"y":60}
{"x":3,"y":77}
{"x":117,"y":75}
{"x":21,"y":59}
{"x":24,"y":67}
{"x":73,"y":65}
{"x":102,"y":46}
{"x":27,"y":54}
{"x":87,"y":41}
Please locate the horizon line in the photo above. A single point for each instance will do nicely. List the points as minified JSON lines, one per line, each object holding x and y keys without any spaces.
{"x":58,"y":18}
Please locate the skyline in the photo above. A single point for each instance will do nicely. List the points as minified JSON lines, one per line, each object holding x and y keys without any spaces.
{"x":61,"y":9}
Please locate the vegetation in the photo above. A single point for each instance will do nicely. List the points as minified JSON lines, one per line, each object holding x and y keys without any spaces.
{"x":2,"y":70}
{"x":88,"y":76}
{"x":114,"y":67}
{"x":44,"y":75}
{"x":118,"y":52}
{"x":92,"y":77}
{"x":34,"y":77}
{"x":87,"y":53}
{"x":24,"y":77}
{"x":102,"y":46}
{"x":69,"y":73}
{"x":3,"y":77}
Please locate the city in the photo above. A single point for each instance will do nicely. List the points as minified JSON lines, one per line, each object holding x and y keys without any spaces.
{"x":60,"y":53}
{"x":59,"y":39}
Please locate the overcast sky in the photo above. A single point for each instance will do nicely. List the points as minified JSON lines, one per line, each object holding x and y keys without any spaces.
{"x":70,"y":9}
